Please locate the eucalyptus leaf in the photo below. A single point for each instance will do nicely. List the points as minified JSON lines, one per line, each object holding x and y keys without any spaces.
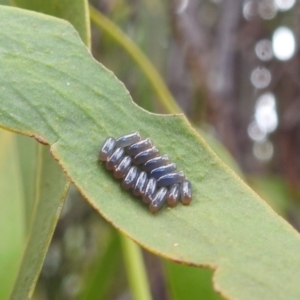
{"x":76,"y":12}
{"x":50,"y":194}
{"x":52,"y":89}
{"x":44,"y":187}
{"x":189,"y":283}
{"x":27,"y":157}
{"x":12,"y":212}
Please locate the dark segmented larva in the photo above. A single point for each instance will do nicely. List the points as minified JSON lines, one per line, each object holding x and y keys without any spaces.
{"x":130,"y":178}
{"x":140,"y":184}
{"x":158,"y":199}
{"x":145,"y":155}
{"x":170,"y":179}
{"x":149,"y":190}
{"x":155,"y":162}
{"x":107,"y":148}
{"x":123,"y":167}
{"x":163,"y":170}
{"x":128,"y":140}
{"x":173,"y":195}
{"x":138,"y":147}
{"x":151,"y":176}
{"x":186,"y":192}
{"x":113,"y":160}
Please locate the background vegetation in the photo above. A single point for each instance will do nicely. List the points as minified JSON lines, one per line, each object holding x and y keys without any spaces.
{"x":220,"y":62}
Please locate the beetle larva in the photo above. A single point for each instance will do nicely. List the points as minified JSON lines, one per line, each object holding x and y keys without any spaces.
{"x":130,"y":178}
{"x":107,"y":148}
{"x":149,"y":190}
{"x":145,"y":155}
{"x":155,"y":162}
{"x":139,"y":185}
{"x":114,"y":159}
{"x":143,"y":170}
{"x":123,"y":167}
{"x":186,"y":192}
{"x":158,"y":199}
{"x":170,"y":179}
{"x":163,"y":170}
{"x":138,"y":147}
{"x":128,"y":139}
{"x":173,"y":195}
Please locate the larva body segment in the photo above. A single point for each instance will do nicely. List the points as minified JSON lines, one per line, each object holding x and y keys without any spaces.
{"x":149,"y":190}
{"x":114,"y":159}
{"x":138,"y":147}
{"x":123,"y":167}
{"x":128,"y":140}
{"x":173,"y":195}
{"x":139,"y":186}
{"x":141,"y":167}
{"x":158,"y":199}
{"x":130,"y":178}
{"x":163,"y":170}
{"x":107,"y":149}
{"x":186,"y":192}
{"x":170,"y":179}
{"x":145,"y":155}
{"x":155,"y":162}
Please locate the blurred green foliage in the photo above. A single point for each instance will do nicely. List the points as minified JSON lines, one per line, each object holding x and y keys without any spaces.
{"x":84,"y":249}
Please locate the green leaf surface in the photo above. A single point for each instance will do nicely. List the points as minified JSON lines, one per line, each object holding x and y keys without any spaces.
{"x":51,"y":191}
{"x":12,"y":233}
{"x":27,"y":156}
{"x":52,"y":88}
{"x":189,"y":283}
{"x":76,"y":12}
{"x":35,"y":184}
